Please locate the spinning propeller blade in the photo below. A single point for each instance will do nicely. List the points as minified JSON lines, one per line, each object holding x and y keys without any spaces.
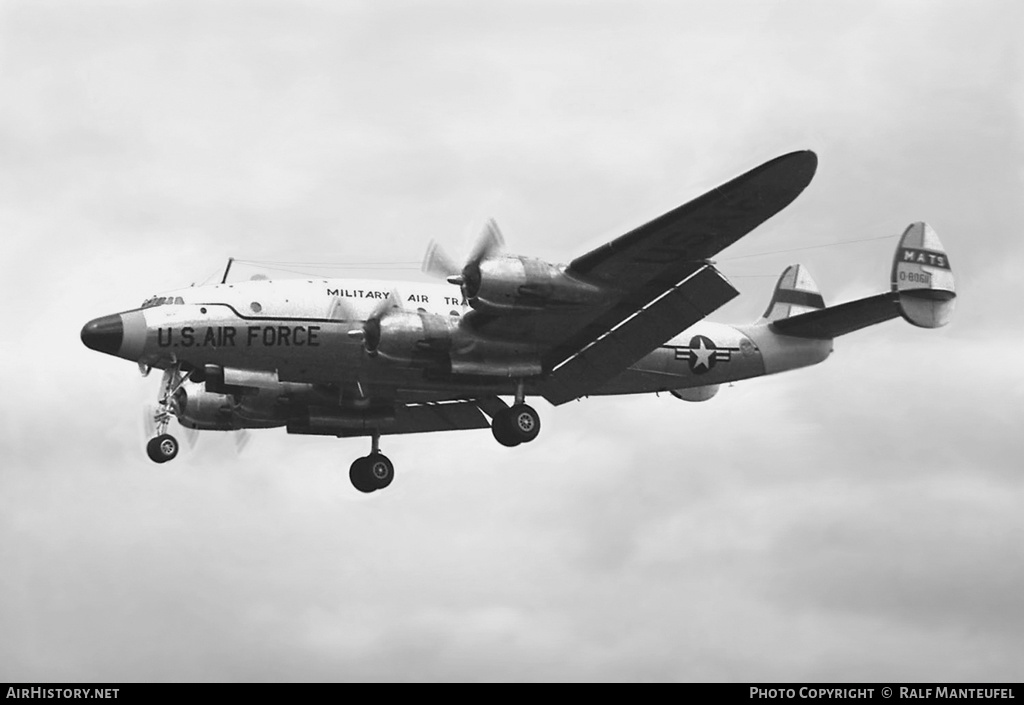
{"x":489,"y":242}
{"x":439,"y":264}
{"x":242,"y":438}
{"x":191,"y":436}
{"x":370,"y":333}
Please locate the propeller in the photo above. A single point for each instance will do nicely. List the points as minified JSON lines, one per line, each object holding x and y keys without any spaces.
{"x":242,"y":438}
{"x":370,"y":332}
{"x":439,"y":264}
{"x":339,"y":310}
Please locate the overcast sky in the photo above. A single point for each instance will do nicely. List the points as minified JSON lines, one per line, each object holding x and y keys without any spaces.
{"x":860,"y":520}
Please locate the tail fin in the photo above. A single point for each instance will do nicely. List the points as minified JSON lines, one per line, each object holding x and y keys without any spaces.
{"x":923,"y":292}
{"x":922,"y":277}
{"x":795,"y":293}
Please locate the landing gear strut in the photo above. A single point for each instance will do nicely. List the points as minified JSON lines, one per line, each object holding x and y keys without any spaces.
{"x":374,"y":471}
{"x":164,"y":446}
{"x":517,"y":424}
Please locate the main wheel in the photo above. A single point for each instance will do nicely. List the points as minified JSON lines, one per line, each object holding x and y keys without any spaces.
{"x":501,"y":428}
{"x":525,"y":422}
{"x":162,"y":448}
{"x":359,"y":475}
{"x":381,"y":470}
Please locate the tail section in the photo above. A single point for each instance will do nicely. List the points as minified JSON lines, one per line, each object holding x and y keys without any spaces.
{"x":795,"y":293}
{"x":923,"y":292}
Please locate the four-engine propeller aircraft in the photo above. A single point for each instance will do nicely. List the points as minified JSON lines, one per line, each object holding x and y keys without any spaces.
{"x":362,"y":358}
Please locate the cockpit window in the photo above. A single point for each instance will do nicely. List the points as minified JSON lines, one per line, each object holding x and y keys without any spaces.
{"x":161,"y":300}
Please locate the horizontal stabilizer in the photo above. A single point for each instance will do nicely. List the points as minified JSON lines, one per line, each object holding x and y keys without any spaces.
{"x":923,"y":292}
{"x":842,"y":319}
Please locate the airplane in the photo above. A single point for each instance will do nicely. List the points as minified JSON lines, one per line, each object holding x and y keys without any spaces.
{"x":347,"y":358}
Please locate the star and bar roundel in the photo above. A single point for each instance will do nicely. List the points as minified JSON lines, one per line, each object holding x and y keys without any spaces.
{"x":702,"y":354}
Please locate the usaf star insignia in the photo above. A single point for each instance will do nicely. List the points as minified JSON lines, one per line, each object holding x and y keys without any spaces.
{"x":702,"y":354}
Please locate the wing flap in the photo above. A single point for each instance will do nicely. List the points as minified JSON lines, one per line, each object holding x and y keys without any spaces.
{"x":420,"y":418}
{"x":690,"y":301}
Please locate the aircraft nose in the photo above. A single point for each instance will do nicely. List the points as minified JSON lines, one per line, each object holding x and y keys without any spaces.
{"x":104,"y":334}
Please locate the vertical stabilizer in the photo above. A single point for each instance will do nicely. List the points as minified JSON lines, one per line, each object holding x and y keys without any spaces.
{"x":922,"y":277}
{"x":795,"y":293}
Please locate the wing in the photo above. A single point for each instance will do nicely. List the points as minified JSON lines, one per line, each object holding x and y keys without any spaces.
{"x":659,"y":280}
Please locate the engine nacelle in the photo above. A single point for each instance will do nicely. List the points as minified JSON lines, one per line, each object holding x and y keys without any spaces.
{"x":197,"y":408}
{"x":695,"y":393}
{"x":471,"y":355}
{"x":409,"y":337}
{"x":436,"y":341}
{"x":512,"y":283}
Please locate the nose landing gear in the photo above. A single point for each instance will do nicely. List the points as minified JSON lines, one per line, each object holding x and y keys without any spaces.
{"x":164,"y":447}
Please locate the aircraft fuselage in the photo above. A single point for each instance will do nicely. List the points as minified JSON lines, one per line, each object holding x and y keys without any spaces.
{"x":306,"y":331}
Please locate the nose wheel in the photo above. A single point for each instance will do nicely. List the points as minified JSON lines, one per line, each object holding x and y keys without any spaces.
{"x":162,"y":448}
{"x":372,"y":472}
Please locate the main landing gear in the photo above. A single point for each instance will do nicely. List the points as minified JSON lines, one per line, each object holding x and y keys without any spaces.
{"x":164,"y":446}
{"x":517,"y":424}
{"x":374,"y":471}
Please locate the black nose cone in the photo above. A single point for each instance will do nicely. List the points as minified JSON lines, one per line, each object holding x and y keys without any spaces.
{"x":104,"y":334}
